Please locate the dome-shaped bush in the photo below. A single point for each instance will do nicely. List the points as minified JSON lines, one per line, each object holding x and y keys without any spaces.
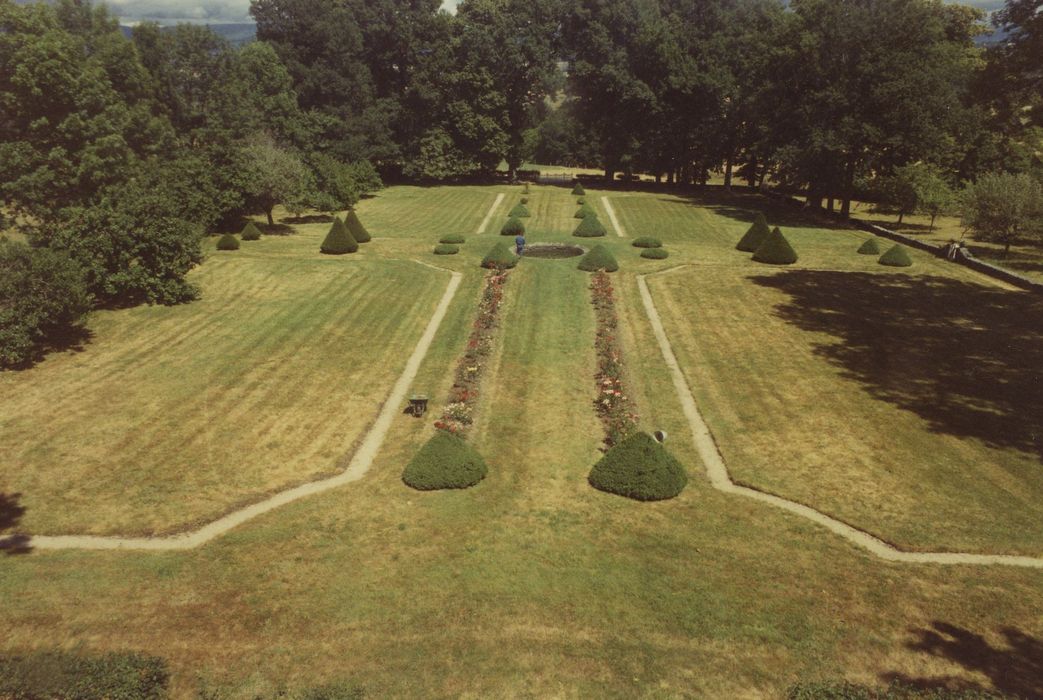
{"x":250,"y":232}
{"x":639,"y":468}
{"x":500,"y":257}
{"x":445,"y":462}
{"x":870,"y":247}
{"x":581,"y":200}
{"x":513,"y":227}
{"x":524,"y":200}
{"x":446,"y":249}
{"x":589,"y":227}
{"x":647,"y":242}
{"x":355,"y":227}
{"x":755,"y":235}
{"x":599,"y":258}
{"x":578,"y":189}
{"x":228,"y":242}
{"x":520,"y":211}
{"x":655,"y":253}
{"x":775,"y":250}
{"x":339,"y":240}
{"x":896,"y":256}
{"x":584,"y":211}
{"x":454,"y":238}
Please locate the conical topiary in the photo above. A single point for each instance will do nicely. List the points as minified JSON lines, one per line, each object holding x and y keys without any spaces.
{"x":896,"y":256}
{"x":454,"y":238}
{"x":755,"y":235}
{"x":639,"y":468}
{"x":647,"y":242}
{"x":655,"y":253}
{"x":590,"y":227}
{"x":584,"y":211}
{"x":250,"y":232}
{"x":578,"y":189}
{"x":513,"y":227}
{"x":870,"y":247}
{"x":775,"y":250}
{"x":500,"y":257}
{"x":520,"y":211}
{"x":599,"y":258}
{"x":339,"y":240}
{"x":228,"y":242}
{"x":445,"y":462}
{"x":355,"y":227}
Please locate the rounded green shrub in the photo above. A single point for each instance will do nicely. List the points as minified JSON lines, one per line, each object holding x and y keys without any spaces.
{"x":524,"y":200}
{"x":755,"y":235}
{"x":590,"y":227}
{"x":520,"y":211}
{"x":870,"y":247}
{"x":655,"y":253}
{"x":581,"y":200}
{"x":445,"y":462}
{"x":578,"y":190}
{"x":250,"y":232}
{"x":584,"y":211}
{"x":453,"y":238}
{"x":896,"y":256}
{"x":639,"y":468}
{"x":775,"y":250}
{"x":513,"y":227}
{"x":647,"y":242}
{"x":446,"y":249}
{"x":355,"y":227}
{"x":500,"y":257}
{"x":339,"y":240}
{"x":228,"y":242}
{"x":598,"y":258}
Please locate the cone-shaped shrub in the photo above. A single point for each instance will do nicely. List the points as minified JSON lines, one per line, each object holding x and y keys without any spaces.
{"x":445,"y":462}
{"x":647,"y":242}
{"x":896,"y":256}
{"x":339,"y":240}
{"x":250,"y":233}
{"x":589,"y":227}
{"x":578,"y":190}
{"x":775,"y":250}
{"x":655,"y":253}
{"x":454,"y":238}
{"x":639,"y":468}
{"x":755,"y":235}
{"x":599,"y":258}
{"x":446,"y":249}
{"x":355,"y":227}
{"x":520,"y":211}
{"x":513,"y":227}
{"x":228,"y":242}
{"x":870,"y":247}
{"x":581,"y":200}
{"x":500,"y":257}
{"x":584,"y":211}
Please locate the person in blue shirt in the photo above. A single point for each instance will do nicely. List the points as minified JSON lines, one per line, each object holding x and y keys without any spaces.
{"x":519,"y":243}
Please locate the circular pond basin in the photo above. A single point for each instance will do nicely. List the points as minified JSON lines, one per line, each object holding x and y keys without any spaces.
{"x":553,"y":250}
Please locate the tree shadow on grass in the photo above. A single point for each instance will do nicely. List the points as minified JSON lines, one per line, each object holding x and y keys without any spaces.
{"x":744,"y":206}
{"x":308,"y":219}
{"x":11,"y":512}
{"x":1014,"y":667}
{"x":69,"y":339}
{"x":966,"y":358}
{"x":277,"y":229}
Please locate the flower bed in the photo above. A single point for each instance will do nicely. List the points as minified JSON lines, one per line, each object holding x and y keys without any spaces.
{"x":458,"y":414}
{"x":615,"y":409}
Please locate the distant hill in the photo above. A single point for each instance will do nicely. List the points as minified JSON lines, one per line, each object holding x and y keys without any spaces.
{"x":235,"y":33}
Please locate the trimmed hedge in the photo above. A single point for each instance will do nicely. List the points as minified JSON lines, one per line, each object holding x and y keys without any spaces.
{"x":598,"y":258}
{"x":584,"y":211}
{"x":775,"y":250}
{"x":655,"y":253}
{"x":639,"y":468}
{"x":590,"y":227}
{"x":446,"y":249}
{"x":513,"y":227}
{"x":250,"y":232}
{"x":355,"y":227}
{"x":578,"y":189}
{"x":445,"y":462}
{"x":520,"y":211}
{"x":647,"y":242}
{"x":500,"y":258}
{"x":870,"y":247}
{"x":896,"y":256}
{"x":228,"y":242}
{"x":116,"y":675}
{"x":453,"y":238}
{"x":339,"y":240}
{"x":756,"y":234}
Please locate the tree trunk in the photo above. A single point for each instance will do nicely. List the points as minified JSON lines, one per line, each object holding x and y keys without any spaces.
{"x":829,"y":204}
{"x":751,"y":174}
{"x":610,"y":173}
{"x":658,"y":178}
{"x":932,"y":221}
{"x":728,"y":173}
{"x":900,"y":215}
{"x":849,"y":184}
{"x":271,"y":222}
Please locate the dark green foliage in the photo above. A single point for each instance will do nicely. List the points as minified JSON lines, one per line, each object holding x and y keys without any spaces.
{"x":524,"y":200}
{"x":355,"y":227}
{"x":115,"y":676}
{"x":581,"y":200}
{"x":655,"y":253}
{"x":500,"y":257}
{"x":250,"y":233}
{"x":775,"y":250}
{"x":228,"y":242}
{"x":843,"y":690}
{"x":599,"y":258}
{"x":870,"y":247}
{"x":578,"y":189}
{"x":453,"y":238}
{"x":639,"y":468}
{"x":446,"y":249}
{"x":755,"y":235}
{"x":339,"y":240}
{"x":590,"y":227}
{"x":519,"y":211}
{"x":445,"y":462}
{"x":584,"y":211}
{"x":896,"y":256}
{"x":647,"y":242}
{"x":513,"y":227}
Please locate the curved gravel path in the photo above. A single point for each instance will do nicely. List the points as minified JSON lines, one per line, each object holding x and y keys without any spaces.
{"x":721,"y":480}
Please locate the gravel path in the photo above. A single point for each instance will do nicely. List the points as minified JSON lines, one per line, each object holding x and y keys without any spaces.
{"x":721,"y":480}
{"x":489,"y":215}
{"x":612,"y":217}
